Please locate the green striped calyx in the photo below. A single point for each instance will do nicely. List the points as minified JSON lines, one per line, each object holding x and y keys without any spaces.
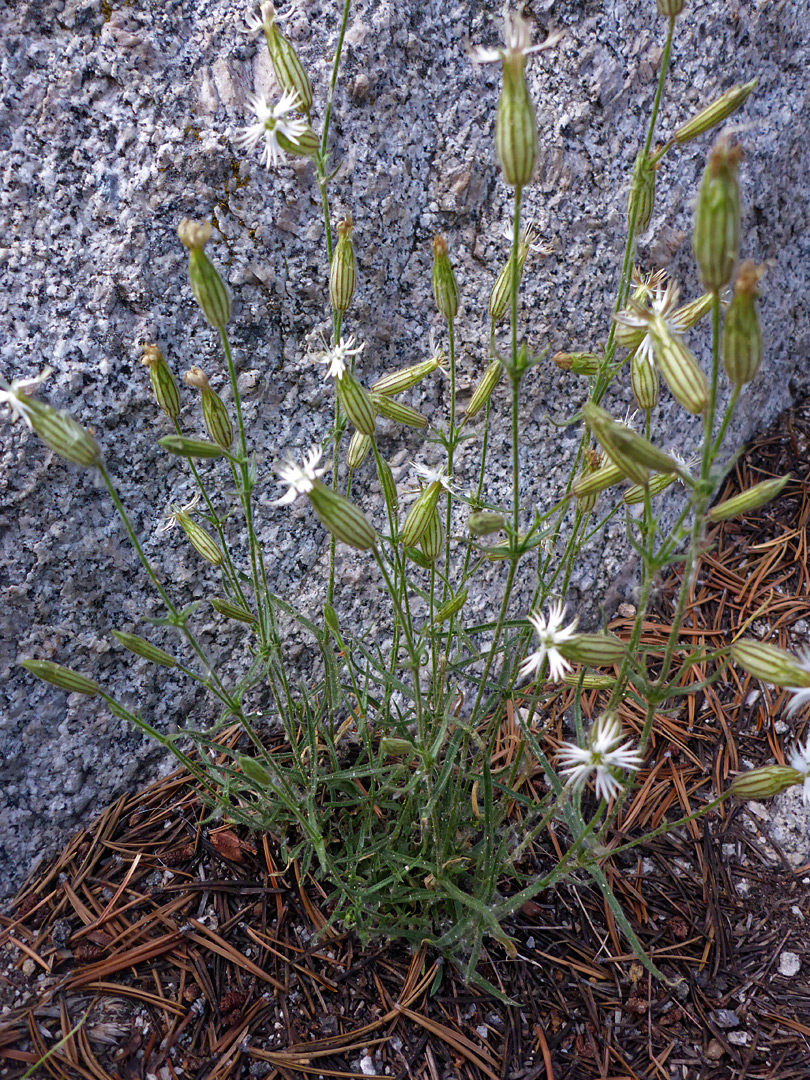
{"x":716,"y":235}
{"x":208,"y":287}
{"x":742,"y":338}
{"x":343,"y":268}
{"x":445,"y":289}
{"x":419,"y":517}
{"x":141,"y":647}
{"x":62,"y":677}
{"x":516,"y":124}
{"x":215,"y":412}
{"x":341,"y":517}
{"x":164,"y":384}
{"x":62,"y":433}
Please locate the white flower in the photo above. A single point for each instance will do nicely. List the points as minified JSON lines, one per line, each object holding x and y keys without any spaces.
{"x":432,"y":476}
{"x":801,"y":694}
{"x":661,"y":300}
{"x":264,"y":20}
{"x":175,"y":512}
{"x":301,"y":478}
{"x":517,"y":37}
{"x":605,"y":755}
{"x":14,"y":395}
{"x":272,"y":122}
{"x":335,"y":358}
{"x":551,"y":633}
{"x":800,"y":761}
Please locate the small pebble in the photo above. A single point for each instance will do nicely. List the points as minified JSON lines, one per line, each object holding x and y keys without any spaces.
{"x":789,"y":963}
{"x":29,"y":966}
{"x":714,"y":1051}
{"x":739,"y":1038}
{"x":725,"y":1018}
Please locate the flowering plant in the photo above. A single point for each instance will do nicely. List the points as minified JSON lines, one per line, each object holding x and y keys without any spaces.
{"x":385,"y":784}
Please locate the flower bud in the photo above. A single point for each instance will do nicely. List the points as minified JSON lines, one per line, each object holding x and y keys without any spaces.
{"x":392,"y":747}
{"x":742,"y":339}
{"x":484,"y":523}
{"x":451,"y":608}
{"x":595,"y":650}
{"x":206,"y":284}
{"x":417,"y":557}
{"x":644,"y":380}
{"x":765,"y":782}
{"x":356,"y":401}
{"x":641,"y":195}
{"x":202,"y":542}
{"x":407,"y":377}
{"x":670,"y":8}
{"x":516,"y":125}
{"x":62,"y":433}
{"x":682,"y":373}
{"x":769,"y":663}
{"x":397,"y":411}
{"x":342,"y":518}
{"x":432,"y":538}
{"x":215,"y":412}
{"x":716,"y":236}
{"x":387,"y":484}
{"x":163,"y":381}
{"x":749,"y":500}
{"x":359,"y":446}
{"x":343,"y":268}
{"x":632,"y":453}
{"x":658,"y":483}
{"x":62,"y":677}
{"x":445,"y":289}
{"x":719,"y":110}
{"x":255,"y":771}
{"x":232,"y":611}
{"x":591,"y":481}
{"x":482,"y":393}
{"x":141,"y":647}
{"x":288,"y":69}
{"x":330,"y":618}
{"x":589,"y":682}
{"x":193,"y":448}
{"x":691,"y":314}
{"x":501,"y":296}
{"x":584,"y":363}
{"x":418,"y":518}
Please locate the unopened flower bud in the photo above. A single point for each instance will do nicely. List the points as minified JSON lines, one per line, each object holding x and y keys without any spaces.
{"x":206,"y":284}
{"x":163,"y":381}
{"x":193,"y":448}
{"x":397,"y":411}
{"x":359,"y":446}
{"x":501,"y":295}
{"x":516,"y":124}
{"x":719,"y":110}
{"x":583,"y":363}
{"x":232,"y":611}
{"x":141,"y":647}
{"x":716,"y":236}
{"x":749,"y":500}
{"x":690,"y":314}
{"x":343,"y":268}
{"x":288,"y":69}
{"x":387,"y":484}
{"x":742,"y":338}
{"x":765,"y":782}
{"x":483,"y":392}
{"x":445,"y":289}
{"x":681,"y":371}
{"x":407,"y":377}
{"x":657,"y":483}
{"x":644,"y":380}
{"x":595,"y":650}
{"x":588,"y":681}
{"x":356,"y":401}
{"x":769,"y":663}
{"x":417,"y":557}
{"x":451,"y":608}
{"x":632,"y":453}
{"x":484,"y":523}
{"x":593,"y":480}
{"x":670,"y":8}
{"x":432,"y":538}
{"x":62,"y":433}
{"x":63,"y":677}
{"x":214,"y":410}
{"x":255,"y":771}
{"x":419,"y":516}
{"x":342,"y":518}
{"x":641,"y":196}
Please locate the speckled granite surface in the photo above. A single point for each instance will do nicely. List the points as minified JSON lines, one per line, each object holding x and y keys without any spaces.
{"x":117,"y":120}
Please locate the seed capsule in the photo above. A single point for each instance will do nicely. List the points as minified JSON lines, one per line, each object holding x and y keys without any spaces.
{"x":516,"y":124}
{"x":214,"y":410}
{"x":452,"y":607}
{"x":591,"y":481}
{"x":765,"y":782}
{"x":288,"y":68}
{"x":407,"y":377}
{"x":62,"y":677}
{"x":671,"y":8}
{"x":141,"y":647}
{"x":202,"y":542}
{"x":63,"y":434}
{"x":595,"y":650}
{"x":719,"y":110}
{"x":343,"y":269}
{"x":644,"y":380}
{"x":483,"y":392}
{"x":769,"y":663}
{"x":501,"y":296}
{"x":342,"y":518}
{"x":397,"y":411}
{"x":359,"y":446}
{"x":658,"y":483}
{"x":749,"y":500}
{"x":306,"y":144}
{"x":387,"y":484}
{"x":445,"y":289}
{"x":163,"y":381}
{"x":578,"y":363}
{"x":682,"y":373}
{"x":716,"y":236}
{"x":742,"y":338}
{"x":432,"y":538}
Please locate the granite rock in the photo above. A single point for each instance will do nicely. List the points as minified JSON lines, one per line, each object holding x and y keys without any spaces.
{"x":118,"y":119}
